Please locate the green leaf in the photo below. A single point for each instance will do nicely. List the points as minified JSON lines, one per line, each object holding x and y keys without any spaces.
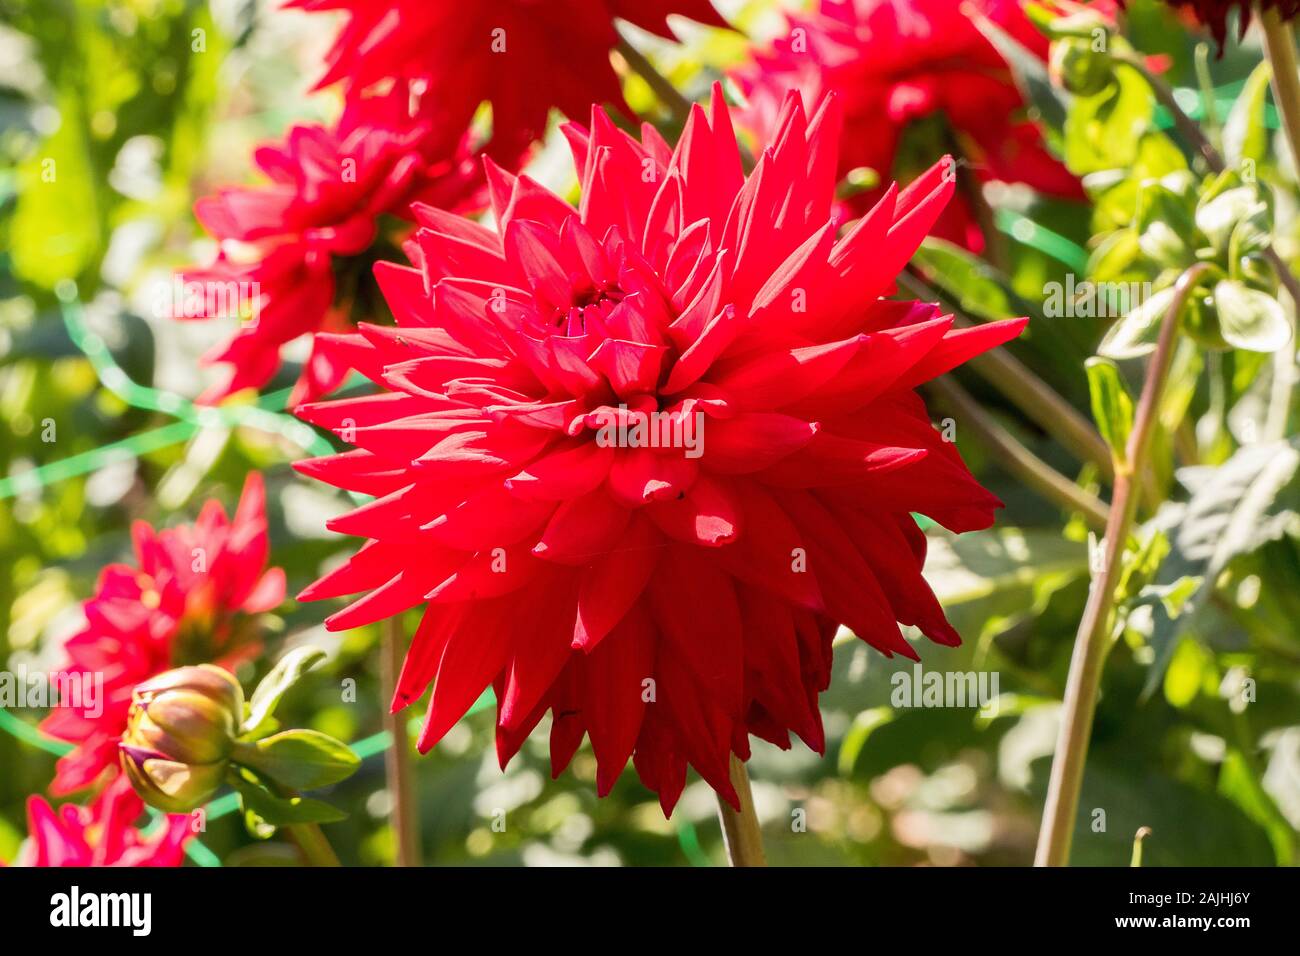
{"x":56,"y":216}
{"x":1245,"y":135}
{"x":968,"y":279}
{"x":982,"y":564}
{"x":1104,"y":131}
{"x":1111,"y":405}
{"x":1239,"y":214}
{"x":1136,"y":333}
{"x":1250,"y":319}
{"x":287,"y":672}
{"x":1139,"y":566}
{"x":268,"y":809}
{"x":1165,"y":219}
{"x":300,"y":759}
{"x":864,"y":724}
{"x":1190,"y":669}
{"x":1239,"y":782}
{"x":1138,"y":793}
{"x":1027,"y":69}
{"x":1227,"y":516}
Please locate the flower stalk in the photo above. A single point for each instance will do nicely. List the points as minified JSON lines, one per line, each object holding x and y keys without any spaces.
{"x":1037,"y":474}
{"x":668,"y":94}
{"x":1034,"y":397}
{"x":315,"y":847}
{"x":1092,"y":641}
{"x":397,"y":759}
{"x":1280,"y":48}
{"x":740,"y":830}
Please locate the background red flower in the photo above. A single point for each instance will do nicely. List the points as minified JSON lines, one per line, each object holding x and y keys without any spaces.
{"x":524,"y":57}
{"x":190,"y":597}
{"x":102,"y":834}
{"x":308,"y":238}
{"x":898,"y":63}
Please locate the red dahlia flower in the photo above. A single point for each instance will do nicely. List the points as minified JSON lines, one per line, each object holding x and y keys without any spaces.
{"x":897,"y":63}
{"x":672,"y":593}
{"x":188,"y":599}
{"x":522,"y":56}
{"x":296,"y":253}
{"x":102,"y":834}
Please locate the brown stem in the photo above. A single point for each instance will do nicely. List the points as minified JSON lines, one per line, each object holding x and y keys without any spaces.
{"x":1029,"y":393}
{"x":740,"y":830}
{"x":1018,"y":460}
{"x":397,"y":759}
{"x":668,"y":94}
{"x":1164,"y":94}
{"x":1091,"y":643}
{"x":1279,"y":45}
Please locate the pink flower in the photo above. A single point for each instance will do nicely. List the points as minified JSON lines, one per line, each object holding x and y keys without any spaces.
{"x":899,"y":63}
{"x":296,"y":253}
{"x":102,"y":834}
{"x":673,"y":594}
{"x":191,"y":597}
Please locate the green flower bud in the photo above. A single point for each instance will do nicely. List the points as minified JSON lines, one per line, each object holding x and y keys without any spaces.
{"x":180,"y":733}
{"x":167,"y":785}
{"x":1079,"y":68}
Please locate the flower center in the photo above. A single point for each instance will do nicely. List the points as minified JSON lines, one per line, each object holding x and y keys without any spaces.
{"x":588,"y":309}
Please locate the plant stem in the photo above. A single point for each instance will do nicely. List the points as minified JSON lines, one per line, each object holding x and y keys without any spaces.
{"x":1208,"y":106}
{"x":397,"y":758}
{"x":677,"y":104}
{"x":1165,"y":97}
{"x":1016,"y":458}
{"x":1092,"y":641}
{"x":1279,"y":46}
{"x":315,"y":847}
{"x":969,"y":185}
{"x":740,"y":830}
{"x":1029,"y":393}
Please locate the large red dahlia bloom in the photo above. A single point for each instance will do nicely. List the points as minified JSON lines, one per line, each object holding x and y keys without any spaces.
{"x":521,"y":56}
{"x":896,"y":63}
{"x":102,"y":834}
{"x":642,"y":457}
{"x":189,"y":598}
{"x":296,"y":253}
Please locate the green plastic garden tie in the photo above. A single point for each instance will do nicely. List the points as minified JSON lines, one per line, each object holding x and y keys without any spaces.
{"x":264,"y":415}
